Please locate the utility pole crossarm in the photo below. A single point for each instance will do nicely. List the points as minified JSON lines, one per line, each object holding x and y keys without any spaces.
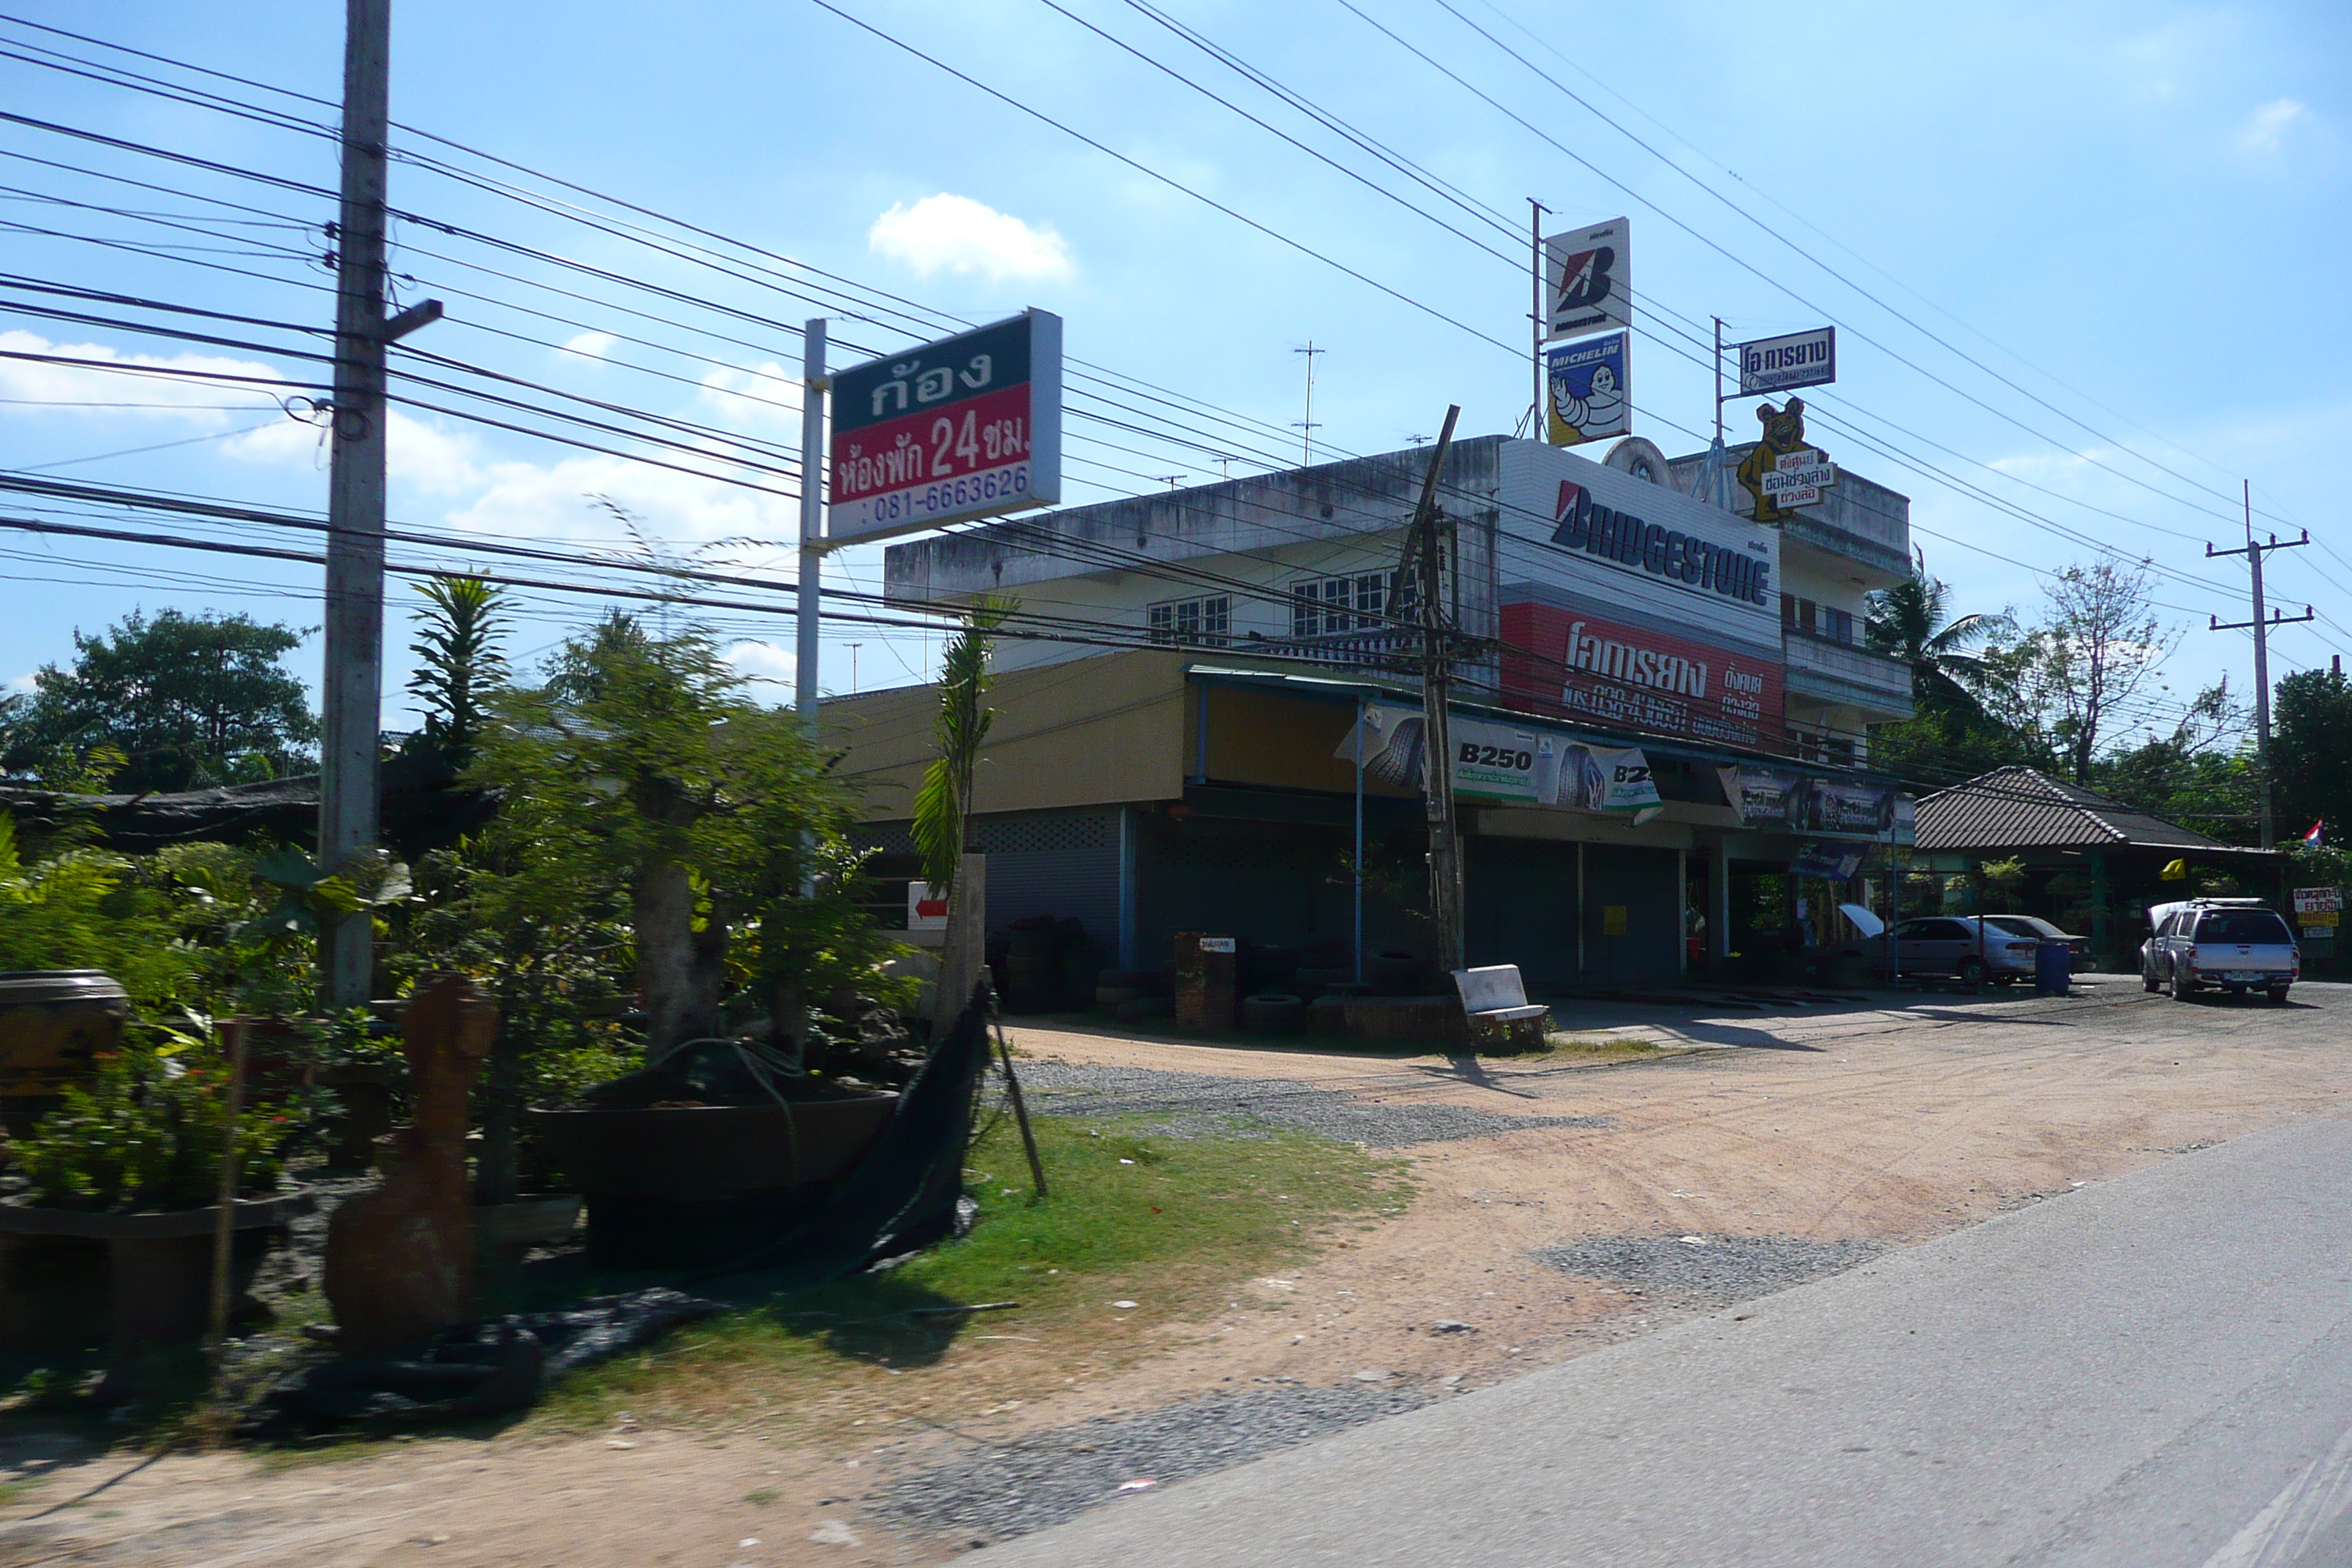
{"x":2253,"y":550}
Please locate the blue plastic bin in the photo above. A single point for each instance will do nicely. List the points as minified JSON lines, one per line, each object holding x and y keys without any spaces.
{"x":2054,"y":965}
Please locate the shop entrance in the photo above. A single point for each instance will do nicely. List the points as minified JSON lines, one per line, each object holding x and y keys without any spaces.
{"x":1764,"y":942}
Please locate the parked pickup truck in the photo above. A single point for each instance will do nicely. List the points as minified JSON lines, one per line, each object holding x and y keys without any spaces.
{"x":2238,"y":945}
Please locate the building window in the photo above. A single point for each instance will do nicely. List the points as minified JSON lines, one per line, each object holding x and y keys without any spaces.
{"x":1788,"y":609}
{"x":1837,"y":624}
{"x":1192,"y":622}
{"x":1325,"y":606}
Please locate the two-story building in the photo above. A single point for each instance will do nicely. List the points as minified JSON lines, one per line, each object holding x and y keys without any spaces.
{"x":1662,"y":712}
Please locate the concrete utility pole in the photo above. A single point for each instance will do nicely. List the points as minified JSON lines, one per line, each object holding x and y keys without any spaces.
{"x":1424,"y":549}
{"x":814,"y":384}
{"x":2253,"y":550}
{"x":352,"y":696}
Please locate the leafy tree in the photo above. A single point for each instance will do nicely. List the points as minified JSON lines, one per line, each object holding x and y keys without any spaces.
{"x":188,"y":702}
{"x":2311,"y":753}
{"x":2101,"y":647}
{"x":459,"y":662}
{"x":2201,"y":776}
{"x":639,"y":777}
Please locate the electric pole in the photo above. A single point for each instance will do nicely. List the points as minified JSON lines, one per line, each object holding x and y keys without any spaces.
{"x":1537,"y":426}
{"x":2253,"y":550}
{"x":814,"y":384}
{"x":1307,"y":426}
{"x":1424,"y":552}
{"x":351,"y":694}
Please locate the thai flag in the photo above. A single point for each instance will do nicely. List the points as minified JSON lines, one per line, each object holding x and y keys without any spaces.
{"x":2317,"y":837}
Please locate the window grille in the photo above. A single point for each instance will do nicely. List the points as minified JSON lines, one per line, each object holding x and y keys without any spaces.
{"x":1192,"y":622}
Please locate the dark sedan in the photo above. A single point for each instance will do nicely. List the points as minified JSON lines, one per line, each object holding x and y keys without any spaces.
{"x":2033,"y":926}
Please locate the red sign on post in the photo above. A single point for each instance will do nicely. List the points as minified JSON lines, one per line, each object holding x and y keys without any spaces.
{"x":964,"y":427}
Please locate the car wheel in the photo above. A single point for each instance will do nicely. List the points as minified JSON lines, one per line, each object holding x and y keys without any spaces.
{"x":2174,"y":986}
{"x":1971,"y":972}
{"x":2148,"y":981}
{"x":2278,"y":996}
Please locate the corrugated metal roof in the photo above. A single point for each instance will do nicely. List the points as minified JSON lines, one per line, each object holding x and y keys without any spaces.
{"x":2020,"y":808}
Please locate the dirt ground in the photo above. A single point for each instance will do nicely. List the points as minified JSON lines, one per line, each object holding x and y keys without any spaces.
{"x":1891,"y":1121}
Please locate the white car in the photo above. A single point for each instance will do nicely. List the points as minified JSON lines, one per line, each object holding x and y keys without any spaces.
{"x":2238,"y":945}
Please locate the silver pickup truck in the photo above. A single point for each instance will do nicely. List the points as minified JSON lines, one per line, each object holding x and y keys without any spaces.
{"x":2236,"y":945}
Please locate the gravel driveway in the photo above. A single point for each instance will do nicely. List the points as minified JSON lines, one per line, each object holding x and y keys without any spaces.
{"x":1195,"y":1104}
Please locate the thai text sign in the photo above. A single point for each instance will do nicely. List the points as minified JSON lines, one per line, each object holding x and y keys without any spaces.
{"x":1798,"y":479}
{"x":1782,"y":364}
{"x":1608,"y":672}
{"x":2318,"y":900}
{"x":964,"y":427}
{"x":1500,"y":761}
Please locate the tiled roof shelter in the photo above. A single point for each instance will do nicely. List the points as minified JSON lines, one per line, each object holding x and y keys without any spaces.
{"x":2022,"y":808}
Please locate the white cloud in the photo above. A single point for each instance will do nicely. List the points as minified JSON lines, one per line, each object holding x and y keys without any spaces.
{"x":956,"y":234}
{"x":185,"y":396}
{"x":590,"y":345}
{"x":430,"y":459}
{"x":2266,"y":128}
{"x":565,"y":501}
{"x":762,"y":662}
{"x":767,"y":395}
{"x":22,"y":683}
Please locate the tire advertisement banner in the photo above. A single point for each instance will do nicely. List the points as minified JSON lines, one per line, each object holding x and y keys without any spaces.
{"x":1506,"y":763}
{"x":1787,"y":801}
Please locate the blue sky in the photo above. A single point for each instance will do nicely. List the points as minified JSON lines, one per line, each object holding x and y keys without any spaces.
{"x":2087,"y":261}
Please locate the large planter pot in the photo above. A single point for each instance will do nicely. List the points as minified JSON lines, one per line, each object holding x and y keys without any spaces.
{"x":54,"y":1026}
{"x":71,"y":1280}
{"x":694,"y":1186}
{"x":366,"y":1092}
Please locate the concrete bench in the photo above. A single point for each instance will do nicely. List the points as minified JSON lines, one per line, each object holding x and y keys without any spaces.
{"x":1495,"y":1001}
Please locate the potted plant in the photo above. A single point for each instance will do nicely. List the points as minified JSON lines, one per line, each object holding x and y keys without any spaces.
{"x":651,"y":813}
{"x":111,"y":1236}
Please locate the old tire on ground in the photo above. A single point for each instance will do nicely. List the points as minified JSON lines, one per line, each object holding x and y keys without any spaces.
{"x":1273,"y":1013}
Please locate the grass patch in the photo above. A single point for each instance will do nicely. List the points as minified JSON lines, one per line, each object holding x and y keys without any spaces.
{"x":1169,"y":1224}
{"x":1564,"y":1050}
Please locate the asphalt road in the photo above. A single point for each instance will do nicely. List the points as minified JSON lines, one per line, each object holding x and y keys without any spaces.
{"x":2152,"y":1370}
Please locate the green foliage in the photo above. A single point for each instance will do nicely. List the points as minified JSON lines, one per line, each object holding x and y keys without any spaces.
{"x":182,"y":701}
{"x":1912,"y":622}
{"x":458,"y":661}
{"x":147,"y":1133}
{"x":2311,"y":753}
{"x":943,"y":804}
{"x":89,"y":909}
{"x":639,"y":784}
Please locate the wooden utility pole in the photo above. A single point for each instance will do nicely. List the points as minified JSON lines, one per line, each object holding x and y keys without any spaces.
{"x":1425,"y":551}
{"x":351,"y":687}
{"x":2253,"y":550}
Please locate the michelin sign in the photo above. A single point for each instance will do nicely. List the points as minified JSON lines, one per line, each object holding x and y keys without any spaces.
{"x":1588,"y":393}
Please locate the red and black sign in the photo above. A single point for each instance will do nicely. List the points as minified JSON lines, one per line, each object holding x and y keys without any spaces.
{"x":960,"y":428}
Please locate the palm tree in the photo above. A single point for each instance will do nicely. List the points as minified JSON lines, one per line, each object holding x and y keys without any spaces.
{"x":1908,"y":622}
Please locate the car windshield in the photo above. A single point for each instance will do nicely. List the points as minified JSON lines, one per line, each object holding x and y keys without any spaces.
{"x":2023,"y":925}
{"x":2242,"y":925}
